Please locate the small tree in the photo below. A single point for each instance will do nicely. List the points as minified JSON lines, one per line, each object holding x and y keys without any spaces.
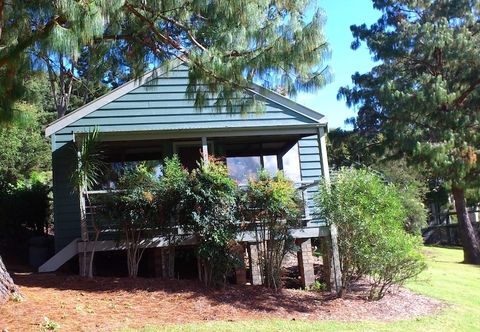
{"x":273,"y":206}
{"x":211,"y":205}
{"x":372,"y":242}
{"x":205,"y":207}
{"x":134,"y":206}
{"x":172,"y":188}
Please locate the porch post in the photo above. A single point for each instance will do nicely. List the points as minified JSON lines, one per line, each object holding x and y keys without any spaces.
{"x":335,"y":272}
{"x":205,"y":150}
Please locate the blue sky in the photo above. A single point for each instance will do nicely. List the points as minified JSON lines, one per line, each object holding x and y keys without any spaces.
{"x":341,"y":14}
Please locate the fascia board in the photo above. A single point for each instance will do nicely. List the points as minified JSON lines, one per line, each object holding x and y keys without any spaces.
{"x":294,"y":106}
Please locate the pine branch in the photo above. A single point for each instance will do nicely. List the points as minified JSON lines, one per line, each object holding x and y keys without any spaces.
{"x":36,"y":36}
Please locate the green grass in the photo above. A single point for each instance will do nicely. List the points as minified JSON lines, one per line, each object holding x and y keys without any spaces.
{"x":446,"y":279}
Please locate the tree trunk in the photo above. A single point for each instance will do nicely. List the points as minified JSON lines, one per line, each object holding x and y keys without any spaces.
{"x":471,"y":248}
{"x":7,"y":287}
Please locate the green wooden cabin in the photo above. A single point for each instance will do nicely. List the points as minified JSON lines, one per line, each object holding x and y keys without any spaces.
{"x":151,"y":118}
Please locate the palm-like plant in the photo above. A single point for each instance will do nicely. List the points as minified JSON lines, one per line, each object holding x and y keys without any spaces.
{"x":87,"y":173}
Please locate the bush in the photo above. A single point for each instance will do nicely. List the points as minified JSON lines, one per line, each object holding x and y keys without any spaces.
{"x":272,"y":206}
{"x":369,"y":216}
{"x":204,"y":205}
{"x":26,"y":205}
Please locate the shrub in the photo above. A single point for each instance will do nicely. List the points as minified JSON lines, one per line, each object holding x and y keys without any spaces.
{"x":26,"y":205}
{"x":369,"y":216}
{"x":272,"y":206}
{"x":204,"y":205}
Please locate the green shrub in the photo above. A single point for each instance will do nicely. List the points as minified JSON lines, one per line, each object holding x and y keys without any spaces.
{"x":372,"y":242}
{"x":202,"y":203}
{"x":26,"y":205}
{"x":272,"y":206}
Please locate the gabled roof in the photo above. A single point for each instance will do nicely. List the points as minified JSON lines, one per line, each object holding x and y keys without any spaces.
{"x":157,"y":73}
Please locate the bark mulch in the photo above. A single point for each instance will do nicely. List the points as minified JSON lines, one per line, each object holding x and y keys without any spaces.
{"x":110,"y":304}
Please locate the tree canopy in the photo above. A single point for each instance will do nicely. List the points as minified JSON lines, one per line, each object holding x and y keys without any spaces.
{"x":424,"y":94}
{"x":227,"y":45}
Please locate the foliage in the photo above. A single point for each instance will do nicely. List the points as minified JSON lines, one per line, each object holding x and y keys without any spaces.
{"x":25,"y":206}
{"x":133,"y":205}
{"x":227,"y":45}
{"x":317,"y":286}
{"x":206,"y":209}
{"x":351,"y":149}
{"x":423,"y":97}
{"x":347,"y":148}
{"x":272,"y":206}
{"x":49,"y":325}
{"x":411,"y":187}
{"x":372,"y":243}
{"x":24,"y":150}
{"x":90,"y":163}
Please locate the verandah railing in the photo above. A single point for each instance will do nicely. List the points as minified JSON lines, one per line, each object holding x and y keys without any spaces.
{"x":109,"y":230}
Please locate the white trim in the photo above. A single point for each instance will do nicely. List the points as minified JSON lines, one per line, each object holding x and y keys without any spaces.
{"x":173,"y":134}
{"x":294,"y":106}
{"x":323,"y":155}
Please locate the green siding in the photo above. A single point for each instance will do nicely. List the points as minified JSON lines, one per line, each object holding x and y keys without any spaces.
{"x":310,"y":167}
{"x":66,"y":204}
{"x":162,"y":105}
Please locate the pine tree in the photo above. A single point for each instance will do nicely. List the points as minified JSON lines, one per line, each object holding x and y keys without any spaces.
{"x":424,"y":96}
{"x":8,"y":289}
{"x":226,"y":44}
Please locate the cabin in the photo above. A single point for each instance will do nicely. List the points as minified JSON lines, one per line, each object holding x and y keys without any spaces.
{"x":151,"y":118}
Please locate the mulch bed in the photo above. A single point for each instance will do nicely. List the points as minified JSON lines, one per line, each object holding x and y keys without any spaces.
{"x":110,"y":304}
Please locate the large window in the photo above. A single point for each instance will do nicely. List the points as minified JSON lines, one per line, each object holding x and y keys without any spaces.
{"x":121,"y":156}
{"x":244,"y":167}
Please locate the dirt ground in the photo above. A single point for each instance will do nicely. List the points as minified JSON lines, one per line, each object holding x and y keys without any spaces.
{"x":109,"y":304}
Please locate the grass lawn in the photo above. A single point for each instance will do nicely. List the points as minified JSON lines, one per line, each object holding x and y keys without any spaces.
{"x":446,"y":279}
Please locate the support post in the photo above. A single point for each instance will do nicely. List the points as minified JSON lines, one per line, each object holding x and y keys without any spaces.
{"x":157,"y":262}
{"x":335,"y":271}
{"x":305,"y":262}
{"x":336,"y":258}
{"x":241,"y":271}
{"x":168,"y":262}
{"x":255,"y":269}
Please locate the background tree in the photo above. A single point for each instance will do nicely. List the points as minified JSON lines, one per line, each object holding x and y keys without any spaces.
{"x":372,"y":242}
{"x":424,"y":96}
{"x":412,"y":188}
{"x":352,"y":149}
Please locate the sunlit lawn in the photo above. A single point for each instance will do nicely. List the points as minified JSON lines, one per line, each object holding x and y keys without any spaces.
{"x":446,"y":279}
